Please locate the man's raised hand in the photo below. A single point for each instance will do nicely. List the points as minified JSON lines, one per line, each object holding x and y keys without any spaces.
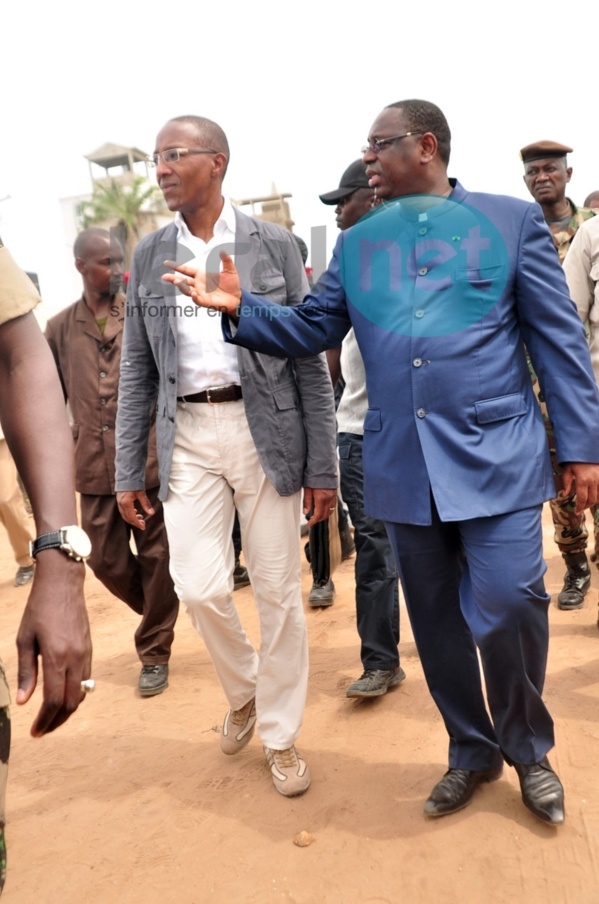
{"x":224,"y":297}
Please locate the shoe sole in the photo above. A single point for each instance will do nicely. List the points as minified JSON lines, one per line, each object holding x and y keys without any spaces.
{"x":377,"y":693}
{"x":153,"y":691}
{"x":282,"y":788}
{"x":292,"y":793}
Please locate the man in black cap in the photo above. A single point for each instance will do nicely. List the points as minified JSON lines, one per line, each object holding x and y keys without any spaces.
{"x":377,"y":593}
{"x":353,"y":198}
{"x":546,"y":174}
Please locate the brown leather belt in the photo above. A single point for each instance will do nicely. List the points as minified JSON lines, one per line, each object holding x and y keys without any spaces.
{"x":214,"y":395}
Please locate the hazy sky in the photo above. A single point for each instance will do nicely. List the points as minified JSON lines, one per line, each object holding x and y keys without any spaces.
{"x":296,"y":88}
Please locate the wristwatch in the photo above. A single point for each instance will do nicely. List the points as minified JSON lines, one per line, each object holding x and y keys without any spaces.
{"x":72,"y":540}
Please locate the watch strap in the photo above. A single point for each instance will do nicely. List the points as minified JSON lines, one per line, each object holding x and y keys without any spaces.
{"x":52,"y":540}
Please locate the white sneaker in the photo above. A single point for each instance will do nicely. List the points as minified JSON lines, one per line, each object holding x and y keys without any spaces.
{"x":238,"y":728}
{"x":289,"y":771}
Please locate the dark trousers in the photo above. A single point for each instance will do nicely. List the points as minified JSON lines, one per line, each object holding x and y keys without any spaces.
{"x":377,"y":594}
{"x":141,"y":581}
{"x":478,"y":584}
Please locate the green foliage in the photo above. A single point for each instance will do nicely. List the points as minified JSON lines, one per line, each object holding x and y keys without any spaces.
{"x":118,"y":205}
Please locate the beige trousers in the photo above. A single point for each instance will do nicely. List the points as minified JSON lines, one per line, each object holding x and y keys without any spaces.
{"x":215,"y":470}
{"x":13,"y":514}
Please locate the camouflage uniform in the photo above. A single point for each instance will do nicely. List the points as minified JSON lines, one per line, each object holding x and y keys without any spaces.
{"x":571,"y":534}
{"x":17,"y":297}
{"x":563,"y":238}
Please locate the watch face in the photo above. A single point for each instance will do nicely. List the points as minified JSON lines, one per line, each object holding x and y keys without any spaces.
{"x":78,"y":540}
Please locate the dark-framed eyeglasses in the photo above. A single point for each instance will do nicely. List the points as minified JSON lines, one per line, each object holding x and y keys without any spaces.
{"x":173,"y":155}
{"x":377,"y":144}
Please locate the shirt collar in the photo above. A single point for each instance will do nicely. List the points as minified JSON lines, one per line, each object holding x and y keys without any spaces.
{"x":226,"y":222}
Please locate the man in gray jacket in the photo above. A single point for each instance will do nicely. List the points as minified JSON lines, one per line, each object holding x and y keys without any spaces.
{"x":235,"y":430}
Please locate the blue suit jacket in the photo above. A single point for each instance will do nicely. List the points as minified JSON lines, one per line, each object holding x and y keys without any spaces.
{"x":442,"y":330}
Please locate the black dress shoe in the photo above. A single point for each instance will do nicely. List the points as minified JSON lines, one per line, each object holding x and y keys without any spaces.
{"x":542,"y":791}
{"x":456,"y":788}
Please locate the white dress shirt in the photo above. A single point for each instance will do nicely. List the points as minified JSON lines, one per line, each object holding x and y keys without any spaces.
{"x":205,"y":359}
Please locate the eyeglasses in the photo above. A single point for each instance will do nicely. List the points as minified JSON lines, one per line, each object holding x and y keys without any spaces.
{"x":173,"y":155}
{"x":378,"y":144}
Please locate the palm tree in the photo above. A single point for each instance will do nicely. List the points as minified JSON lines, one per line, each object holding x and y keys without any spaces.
{"x":119,"y":207}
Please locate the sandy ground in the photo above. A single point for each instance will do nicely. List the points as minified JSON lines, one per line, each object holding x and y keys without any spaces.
{"x":132,"y":802}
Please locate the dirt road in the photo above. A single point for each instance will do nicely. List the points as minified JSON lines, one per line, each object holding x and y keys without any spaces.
{"x":132,"y":802}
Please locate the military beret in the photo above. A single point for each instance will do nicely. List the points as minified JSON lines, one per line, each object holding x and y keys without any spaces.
{"x":540,"y":149}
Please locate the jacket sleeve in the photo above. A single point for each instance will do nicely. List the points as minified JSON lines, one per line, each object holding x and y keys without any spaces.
{"x":318,"y":323}
{"x":138,"y":391}
{"x":577,"y":267}
{"x":316,"y":394}
{"x":581,"y":267}
{"x":51,"y":340}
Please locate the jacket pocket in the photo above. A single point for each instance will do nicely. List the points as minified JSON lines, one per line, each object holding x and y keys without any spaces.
{"x":500,"y":409}
{"x":373,"y":420}
{"x":286,"y":397}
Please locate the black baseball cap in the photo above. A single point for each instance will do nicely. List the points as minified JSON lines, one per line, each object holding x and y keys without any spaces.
{"x":352,"y":179}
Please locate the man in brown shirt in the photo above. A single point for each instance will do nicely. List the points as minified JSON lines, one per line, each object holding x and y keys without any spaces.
{"x":85,"y":340}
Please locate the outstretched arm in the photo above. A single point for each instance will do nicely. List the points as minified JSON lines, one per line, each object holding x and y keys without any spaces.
{"x":54,"y":624}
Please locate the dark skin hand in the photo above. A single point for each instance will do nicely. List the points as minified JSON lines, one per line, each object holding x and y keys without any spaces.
{"x":581,"y":480}
{"x":54,"y":624}
{"x":134,"y":503}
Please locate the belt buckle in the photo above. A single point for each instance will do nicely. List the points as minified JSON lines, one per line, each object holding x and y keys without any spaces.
{"x":208,"y":399}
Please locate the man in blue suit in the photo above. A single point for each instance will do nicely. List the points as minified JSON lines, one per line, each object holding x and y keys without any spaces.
{"x":445,"y":289}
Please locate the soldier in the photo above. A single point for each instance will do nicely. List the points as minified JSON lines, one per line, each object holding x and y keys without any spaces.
{"x":546,"y":174}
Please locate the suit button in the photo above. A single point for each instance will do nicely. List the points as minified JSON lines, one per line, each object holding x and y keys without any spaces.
{"x":421,"y":413}
{"x":417,"y":362}
{"x":262,"y":287}
{"x":423,"y":230}
{"x":418,"y":314}
{"x":104,"y":428}
{"x":423,"y":271}
{"x":172,"y":380}
{"x":102,"y":401}
{"x":102,"y":373}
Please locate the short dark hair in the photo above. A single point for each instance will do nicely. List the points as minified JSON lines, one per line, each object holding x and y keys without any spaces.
{"x":210,"y":131}
{"x":424,"y":116}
